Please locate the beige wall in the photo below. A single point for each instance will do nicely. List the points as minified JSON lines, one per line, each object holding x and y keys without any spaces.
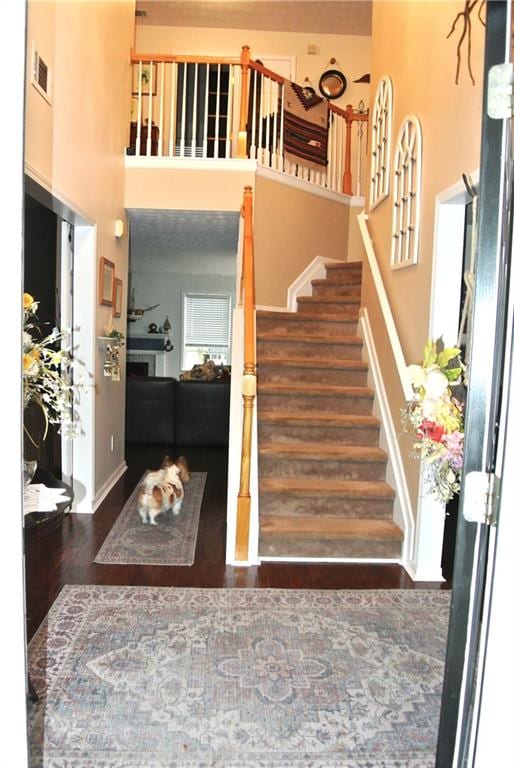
{"x":291,"y":228}
{"x":186,"y":189}
{"x":75,"y":147}
{"x":351,"y":51}
{"x":409,"y":44}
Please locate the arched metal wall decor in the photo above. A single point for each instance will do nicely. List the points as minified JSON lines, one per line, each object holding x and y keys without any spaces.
{"x":406,"y":194}
{"x":381,"y":142}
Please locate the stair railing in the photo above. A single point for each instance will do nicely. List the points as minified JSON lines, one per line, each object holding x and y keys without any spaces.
{"x":262,"y":123}
{"x":187,"y":107}
{"x":249,"y":387}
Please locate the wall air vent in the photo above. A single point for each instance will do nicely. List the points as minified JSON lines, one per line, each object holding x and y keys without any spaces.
{"x":41,"y":75}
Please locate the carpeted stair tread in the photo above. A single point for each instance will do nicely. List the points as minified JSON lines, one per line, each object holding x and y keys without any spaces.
{"x":308,"y":486}
{"x":323,"y":451}
{"x":311,"y":317}
{"x":359,"y":365}
{"x":351,"y":301}
{"x":332,"y":527}
{"x":321,"y":418}
{"x":348,"y":280}
{"x":306,"y":388}
{"x":343,"y":265}
{"x":317,"y":339}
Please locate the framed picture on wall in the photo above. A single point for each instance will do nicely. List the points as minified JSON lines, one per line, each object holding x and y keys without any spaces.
{"x":148,"y":72}
{"x":106,"y":282}
{"x":118,"y":288}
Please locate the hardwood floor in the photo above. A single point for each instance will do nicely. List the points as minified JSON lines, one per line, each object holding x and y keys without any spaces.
{"x":65,"y":556}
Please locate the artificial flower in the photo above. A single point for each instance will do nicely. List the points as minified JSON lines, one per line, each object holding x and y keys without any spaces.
{"x":48,"y":374}
{"x":435,"y":418}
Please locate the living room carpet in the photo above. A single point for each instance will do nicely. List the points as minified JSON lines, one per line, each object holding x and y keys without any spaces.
{"x":171,"y":542}
{"x":152,"y":677}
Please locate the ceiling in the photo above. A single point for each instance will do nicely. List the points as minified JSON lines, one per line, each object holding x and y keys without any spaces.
{"x":192,"y":242}
{"x":345,"y":17}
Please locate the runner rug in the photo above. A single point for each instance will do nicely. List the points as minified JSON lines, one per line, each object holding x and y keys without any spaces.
{"x":151,"y":677}
{"x":171,"y":542}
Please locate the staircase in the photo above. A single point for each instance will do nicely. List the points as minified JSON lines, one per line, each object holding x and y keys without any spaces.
{"x":321,"y":472}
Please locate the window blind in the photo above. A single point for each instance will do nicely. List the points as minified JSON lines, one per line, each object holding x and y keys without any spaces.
{"x":207,"y":319}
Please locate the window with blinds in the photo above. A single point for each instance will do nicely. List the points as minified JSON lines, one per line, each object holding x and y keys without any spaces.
{"x":206,"y":328}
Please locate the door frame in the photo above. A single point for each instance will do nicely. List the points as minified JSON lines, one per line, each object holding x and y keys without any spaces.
{"x":485,"y":422}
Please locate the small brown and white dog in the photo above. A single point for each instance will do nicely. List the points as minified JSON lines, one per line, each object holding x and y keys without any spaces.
{"x":163,"y":489}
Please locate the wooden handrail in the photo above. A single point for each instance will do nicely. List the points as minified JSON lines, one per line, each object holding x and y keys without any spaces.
{"x":249,"y":381}
{"x":349,"y":113}
{"x":262,"y":70}
{"x":171,"y":58}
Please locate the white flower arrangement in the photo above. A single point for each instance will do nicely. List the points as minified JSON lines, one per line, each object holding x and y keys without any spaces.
{"x":436,"y":419}
{"x":48,"y":374}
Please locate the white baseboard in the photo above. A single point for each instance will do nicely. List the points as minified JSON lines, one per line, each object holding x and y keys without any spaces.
{"x":423,"y":574}
{"x":302,"y":285}
{"x":107,"y":487}
{"x":403,"y":514}
{"x":352,"y":560}
{"x":267,"y":308}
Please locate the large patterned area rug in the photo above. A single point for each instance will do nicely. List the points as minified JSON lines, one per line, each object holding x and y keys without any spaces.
{"x":171,"y":542}
{"x":151,"y":677}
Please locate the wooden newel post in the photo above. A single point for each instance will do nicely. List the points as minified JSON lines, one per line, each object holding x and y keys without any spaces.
{"x":347,"y":175}
{"x":243,"y":112}
{"x":244,"y":498}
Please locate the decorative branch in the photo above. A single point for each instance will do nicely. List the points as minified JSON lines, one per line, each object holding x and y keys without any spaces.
{"x":465,"y":15}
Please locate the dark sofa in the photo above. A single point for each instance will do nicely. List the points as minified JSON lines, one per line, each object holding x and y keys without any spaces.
{"x":163,"y":410}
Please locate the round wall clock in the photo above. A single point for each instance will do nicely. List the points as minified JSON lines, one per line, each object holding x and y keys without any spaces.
{"x":332,"y":84}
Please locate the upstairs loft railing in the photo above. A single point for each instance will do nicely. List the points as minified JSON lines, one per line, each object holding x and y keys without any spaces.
{"x":223,"y":108}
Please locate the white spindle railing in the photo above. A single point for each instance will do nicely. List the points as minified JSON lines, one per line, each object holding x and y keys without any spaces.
{"x":185,"y":107}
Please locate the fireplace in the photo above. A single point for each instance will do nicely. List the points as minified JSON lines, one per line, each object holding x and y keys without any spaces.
{"x":137,"y":368}
{"x":143,"y":364}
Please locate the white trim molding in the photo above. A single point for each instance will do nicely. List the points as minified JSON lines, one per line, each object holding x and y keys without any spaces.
{"x":302,"y":286}
{"x":406,"y":194}
{"x":395,"y":474}
{"x":351,"y":201}
{"x":190,"y":163}
{"x":108,"y":486}
{"x":386,"y":309}
{"x":381,"y":143}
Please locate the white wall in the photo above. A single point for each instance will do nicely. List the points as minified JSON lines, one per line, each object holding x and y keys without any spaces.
{"x":166,"y":289}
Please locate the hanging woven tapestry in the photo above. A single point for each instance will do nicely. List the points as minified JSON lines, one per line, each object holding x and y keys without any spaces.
{"x":305,"y":127}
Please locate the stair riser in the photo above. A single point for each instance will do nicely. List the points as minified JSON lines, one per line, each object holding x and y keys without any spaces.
{"x":281,"y":348}
{"x":287,"y":505}
{"x":273,"y":373}
{"x":314,"y":327}
{"x":271,"y":546}
{"x":323,"y":434}
{"x":334,"y":289}
{"x":350,"y":310}
{"x":311,"y":403}
{"x":345,"y":272}
{"x":331,"y":469}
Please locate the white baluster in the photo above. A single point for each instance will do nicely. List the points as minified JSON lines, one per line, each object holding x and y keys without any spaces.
{"x":139,"y":108}
{"x":150,"y":112}
{"x":260,"y":150}
{"x":268,"y":118}
{"x":281,"y":147}
{"x":253,"y":145}
{"x":217,"y":128}
{"x":160,"y":79}
{"x":183,"y":121}
{"x":195,"y":108}
{"x":206,"y":112}
{"x":173,"y":107}
{"x":228,"y":141}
